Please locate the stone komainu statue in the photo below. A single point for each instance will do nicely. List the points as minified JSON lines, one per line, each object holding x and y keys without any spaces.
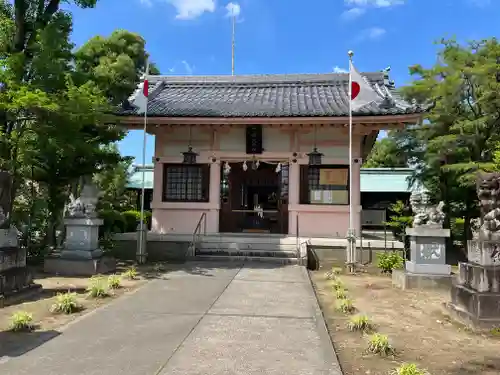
{"x":5,"y":198}
{"x":488,"y":192}
{"x":426,"y":214}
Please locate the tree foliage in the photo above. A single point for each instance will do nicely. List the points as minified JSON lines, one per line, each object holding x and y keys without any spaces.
{"x":55,"y":102}
{"x":460,"y":134}
{"x":387,"y":153}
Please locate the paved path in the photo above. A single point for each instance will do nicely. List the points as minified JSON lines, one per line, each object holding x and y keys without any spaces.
{"x":200,"y":319}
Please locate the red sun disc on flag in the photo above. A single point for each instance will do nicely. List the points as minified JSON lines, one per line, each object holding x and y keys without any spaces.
{"x":145,"y":88}
{"x":355,"y":89}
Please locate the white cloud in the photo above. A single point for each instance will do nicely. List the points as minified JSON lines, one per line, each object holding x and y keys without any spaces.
{"x":375,"y":32}
{"x":372,"y":33}
{"x":373,"y":3}
{"x":353,"y":13}
{"x":190,"y":9}
{"x":147,"y":3}
{"x":188,"y":67}
{"x":337,"y":69}
{"x":233,"y":9}
{"x":479,"y":3}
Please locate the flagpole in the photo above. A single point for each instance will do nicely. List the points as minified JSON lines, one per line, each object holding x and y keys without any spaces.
{"x":351,"y":235}
{"x":142,"y":254}
{"x":233,"y":40}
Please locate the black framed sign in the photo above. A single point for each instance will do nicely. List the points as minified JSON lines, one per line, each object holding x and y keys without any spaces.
{"x":254,"y":139}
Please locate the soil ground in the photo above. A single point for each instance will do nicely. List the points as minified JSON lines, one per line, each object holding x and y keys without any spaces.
{"x":416,"y":323}
{"x":39,"y":305}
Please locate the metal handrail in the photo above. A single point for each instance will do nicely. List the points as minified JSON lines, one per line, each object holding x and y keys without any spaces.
{"x":197,"y":234}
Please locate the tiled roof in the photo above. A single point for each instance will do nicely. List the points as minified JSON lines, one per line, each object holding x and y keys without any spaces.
{"x":294,"y":95}
{"x":373,"y":180}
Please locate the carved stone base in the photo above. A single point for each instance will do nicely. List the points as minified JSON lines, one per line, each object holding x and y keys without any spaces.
{"x":407,"y":280}
{"x":55,"y":264}
{"x":428,"y":269}
{"x":480,"y":310}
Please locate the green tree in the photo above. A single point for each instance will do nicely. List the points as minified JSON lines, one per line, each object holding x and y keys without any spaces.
{"x":461,"y":134}
{"x":387,"y":153}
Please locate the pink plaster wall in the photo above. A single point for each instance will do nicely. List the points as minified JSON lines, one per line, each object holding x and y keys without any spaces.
{"x":313,"y":220}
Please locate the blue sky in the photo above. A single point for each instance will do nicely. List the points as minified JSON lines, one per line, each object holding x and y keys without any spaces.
{"x":287,"y":36}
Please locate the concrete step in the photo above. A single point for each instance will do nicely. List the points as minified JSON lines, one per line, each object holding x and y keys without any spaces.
{"x":247,"y":259}
{"x":246,"y":246}
{"x":247,"y":253}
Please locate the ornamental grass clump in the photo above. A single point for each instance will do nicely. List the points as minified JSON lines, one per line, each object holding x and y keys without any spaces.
{"x":131,"y":273}
{"x":360,"y":323}
{"x":97,"y":288}
{"x":333,"y":273}
{"x":408,"y":369}
{"x":341,"y":294}
{"x":345,"y":306}
{"x":114,"y":281}
{"x":379,"y":344}
{"x":21,"y":321}
{"x":66,"y":303}
{"x":337,"y":284}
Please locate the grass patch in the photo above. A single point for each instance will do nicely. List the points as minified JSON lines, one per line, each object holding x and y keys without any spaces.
{"x":345,"y":306}
{"x":360,"y":323}
{"x":408,"y":369}
{"x":22,"y":321}
{"x":97,"y":288}
{"x":131,"y":273}
{"x":66,"y":303}
{"x":341,"y":294}
{"x":337,"y":284}
{"x":114,"y":281}
{"x":379,"y":344}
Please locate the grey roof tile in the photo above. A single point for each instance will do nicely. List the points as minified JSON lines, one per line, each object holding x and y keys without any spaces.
{"x":291,"y":95}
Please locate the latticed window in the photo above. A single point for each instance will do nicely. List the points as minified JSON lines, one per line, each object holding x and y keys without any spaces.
{"x":186,"y":183}
{"x":324,"y":184}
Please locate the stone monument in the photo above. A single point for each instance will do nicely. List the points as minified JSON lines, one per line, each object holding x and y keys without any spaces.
{"x":15,"y":277}
{"x":81,"y":254}
{"x":475,"y":297}
{"x":427,"y":265}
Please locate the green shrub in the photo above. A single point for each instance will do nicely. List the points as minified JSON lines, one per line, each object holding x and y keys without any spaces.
{"x":66,"y":303}
{"x":360,"y":323}
{"x":21,"y":321}
{"x":113,"y":222}
{"x":130,"y":273}
{"x":400,"y":218}
{"x":495,"y":331}
{"x":408,"y":369}
{"x":457,"y":227}
{"x":344,"y":305}
{"x":114,"y":281}
{"x":341,"y":294}
{"x":132,"y":219}
{"x":379,"y":344}
{"x":97,"y":288}
{"x":337,"y":284}
{"x":389,"y":261}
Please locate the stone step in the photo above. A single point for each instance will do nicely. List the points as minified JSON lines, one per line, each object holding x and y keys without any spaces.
{"x":247,"y":253}
{"x":247,"y":259}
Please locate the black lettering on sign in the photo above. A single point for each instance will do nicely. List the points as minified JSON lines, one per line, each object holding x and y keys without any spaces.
{"x":254,"y":139}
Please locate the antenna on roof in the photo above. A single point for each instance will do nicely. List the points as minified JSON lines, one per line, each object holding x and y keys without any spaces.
{"x":233,"y":20}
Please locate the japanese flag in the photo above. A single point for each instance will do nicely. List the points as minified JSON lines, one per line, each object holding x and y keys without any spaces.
{"x":361,"y":92}
{"x":141,"y":99}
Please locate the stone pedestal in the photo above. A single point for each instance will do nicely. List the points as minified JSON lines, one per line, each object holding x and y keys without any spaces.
{"x":475,"y":295}
{"x":427,"y":265}
{"x":81,"y":254}
{"x":15,"y":277}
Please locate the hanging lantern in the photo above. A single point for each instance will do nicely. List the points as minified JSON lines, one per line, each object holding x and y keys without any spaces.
{"x":189,"y":156}
{"x":245,"y":166}
{"x":227,"y":168}
{"x":278,"y":168}
{"x":315,"y":157}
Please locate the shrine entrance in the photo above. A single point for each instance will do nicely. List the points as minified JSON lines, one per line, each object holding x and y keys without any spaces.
{"x":254,"y":198}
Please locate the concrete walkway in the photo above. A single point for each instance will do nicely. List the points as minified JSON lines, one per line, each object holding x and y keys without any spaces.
{"x":199,"y":319}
